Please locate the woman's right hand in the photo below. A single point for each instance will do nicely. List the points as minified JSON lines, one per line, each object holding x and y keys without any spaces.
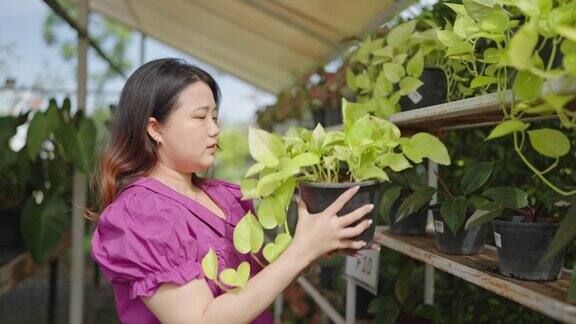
{"x":319,"y":234}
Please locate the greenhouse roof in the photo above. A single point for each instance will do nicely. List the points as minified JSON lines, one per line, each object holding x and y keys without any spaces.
{"x":266,"y":43}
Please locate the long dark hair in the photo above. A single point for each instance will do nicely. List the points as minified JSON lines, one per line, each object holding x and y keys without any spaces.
{"x":151,"y":91}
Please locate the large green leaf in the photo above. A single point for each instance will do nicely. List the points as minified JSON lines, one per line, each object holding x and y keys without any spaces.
{"x":274,"y":249}
{"x":401,"y":33}
{"x":481,"y":216}
{"x":367,"y":172}
{"x":527,"y":86}
{"x":475,"y":177}
{"x":424,"y":145}
{"x":549,"y":142}
{"x":393,"y":71}
{"x":522,"y":45}
{"x":284,"y":192}
{"x":507,"y":127}
{"x":409,"y":84}
{"x":415,"y":66}
{"x":508,"y":196}
{"x":496,"y":22}
{"x":259,"y":141}
{"x":238,"y":277}
{"x":41,"y":126}
{"x":395,"y":161}
{"x":43,"y":226}
{"x":255,"y":168}
{"x":453,"y":212}
{"x":210,"y":265}
{"x":389,"y":196}
{"x":248,"y":235}
{"x":383,"y":86}
{"x":418,"y":199}
{"x":249,"y":189}
{"x":271,"y":212}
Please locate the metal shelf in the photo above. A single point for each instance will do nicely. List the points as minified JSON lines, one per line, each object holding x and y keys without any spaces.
{"x":479,"y":111}
{"x":482,"y":270}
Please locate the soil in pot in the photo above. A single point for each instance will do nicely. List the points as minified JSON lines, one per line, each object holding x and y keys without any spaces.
{"x":432,"y":92}
{"x":521,"y":247}
{"x":413,"y":224}
{"x":318,"y":196}
{"x":469,"y":242}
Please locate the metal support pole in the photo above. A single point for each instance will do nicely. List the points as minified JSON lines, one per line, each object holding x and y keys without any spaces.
{"x":350,"y":300}
{"x":429,"y":270}
{"x":79,"y":185}
{"x":52,"y":291}
{"x":278,"y":308}
{"x":142,"y":48}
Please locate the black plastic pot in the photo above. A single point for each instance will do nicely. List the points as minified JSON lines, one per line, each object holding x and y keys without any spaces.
{"x":319,"y":117}
{"x":318,"y":196}
{"x":521,"y":247}
{"x":413,"y":224}
{"x":432,"y":92}
{"x":332,"y":116}
{"x":469,"y":242}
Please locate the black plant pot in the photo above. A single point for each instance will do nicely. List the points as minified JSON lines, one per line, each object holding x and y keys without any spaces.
{"x":319,"y":117}
{"x":413,"y":224}
{"x":432,"y":92}
{"x":327,"y":274}
{"x":318,"y":196}
{"x":521,"y":248}
{"x":332,"y":116}
{"x":469,"y":242}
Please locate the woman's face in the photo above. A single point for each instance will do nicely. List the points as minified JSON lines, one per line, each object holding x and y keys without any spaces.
{"x":189,"y":136}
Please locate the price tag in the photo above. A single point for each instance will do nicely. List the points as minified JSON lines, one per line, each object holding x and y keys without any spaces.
{"x":497,"y":240}
{"x":364,"y":269}
{"x":439,"y":226}
{"x":415,"y":96}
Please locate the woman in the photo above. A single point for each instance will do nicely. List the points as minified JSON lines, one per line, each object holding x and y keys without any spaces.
{"x":159,"y":219}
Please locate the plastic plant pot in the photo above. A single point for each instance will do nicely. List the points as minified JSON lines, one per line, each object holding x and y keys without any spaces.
{"x":318,"y":196}
{"x":521,"y":247}
{"x":468,"y":242}
{"x":413,"y":224}
{"x":432,"y":92}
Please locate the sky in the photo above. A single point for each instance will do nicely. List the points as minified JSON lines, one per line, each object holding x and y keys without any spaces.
{"x":25,"y":57}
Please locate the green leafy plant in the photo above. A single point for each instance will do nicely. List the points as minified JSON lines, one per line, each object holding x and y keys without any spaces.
{"x":454,"y":208}
{"x":384,"y":69}
{"x":36,"y":180}
{"x":367,"y":149}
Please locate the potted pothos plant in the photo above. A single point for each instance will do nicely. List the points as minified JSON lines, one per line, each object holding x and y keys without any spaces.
{"x":456,"y":207}
{"x":402,"y":185}
{"x":403,"y":70}
{"x":322,"y":164}
{"x":522,"y":234}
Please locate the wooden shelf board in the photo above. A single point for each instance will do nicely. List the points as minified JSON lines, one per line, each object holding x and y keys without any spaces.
{"x":482,"y":270}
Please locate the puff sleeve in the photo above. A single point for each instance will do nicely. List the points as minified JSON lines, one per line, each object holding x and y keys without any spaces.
{"x":142,"y":240}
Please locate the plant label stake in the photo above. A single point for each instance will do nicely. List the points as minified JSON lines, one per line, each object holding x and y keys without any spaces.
{"x":364,"y":269}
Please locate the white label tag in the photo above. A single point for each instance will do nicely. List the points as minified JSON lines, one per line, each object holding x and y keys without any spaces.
{"x":415,"y":96}
{"x":439,"y":226}
{"x":497,"y":240}
{"x":364,"y":269}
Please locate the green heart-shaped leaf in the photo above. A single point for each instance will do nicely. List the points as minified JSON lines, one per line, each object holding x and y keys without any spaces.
{"x":259,"y":145}
{"x":271,"y":212}
{"x":238,"y":277}
{"x":248,"y":235}
{"x":475,"y":177}
{"x":453,"y":212}
{"x":507,"y":127}
{"x":508,"y":196}
{"x":273,"y":250}
{"x":210,"y":265}
{"x":549,"y":142}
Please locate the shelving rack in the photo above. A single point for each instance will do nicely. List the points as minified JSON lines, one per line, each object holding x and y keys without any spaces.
{"x":549,"y":297}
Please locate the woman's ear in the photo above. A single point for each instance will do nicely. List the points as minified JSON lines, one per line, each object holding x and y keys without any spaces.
{"x":153,"y":128}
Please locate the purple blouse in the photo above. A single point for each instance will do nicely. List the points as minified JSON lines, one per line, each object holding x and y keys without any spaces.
{"x":152,"y":234}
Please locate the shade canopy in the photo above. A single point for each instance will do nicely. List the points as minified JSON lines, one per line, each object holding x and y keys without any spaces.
{"x":268,"y":43}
